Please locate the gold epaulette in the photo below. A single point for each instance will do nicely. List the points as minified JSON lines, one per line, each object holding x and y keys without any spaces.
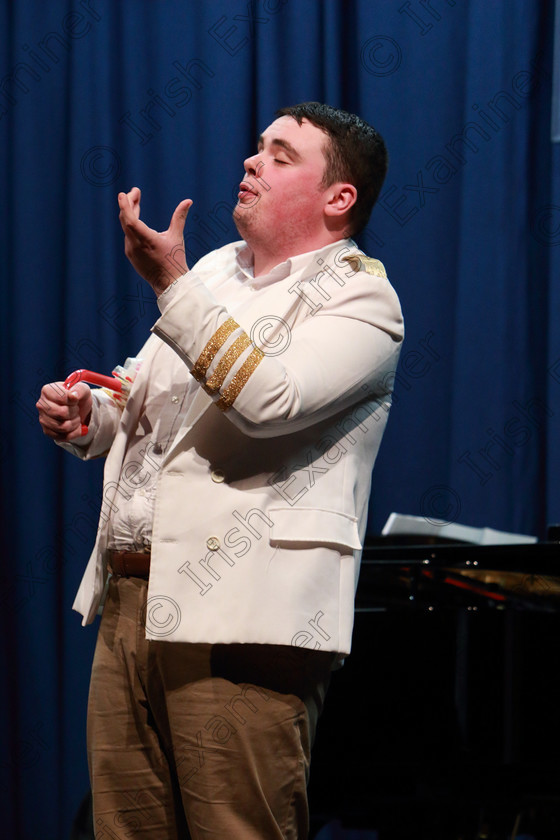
{"x":360,"y":262}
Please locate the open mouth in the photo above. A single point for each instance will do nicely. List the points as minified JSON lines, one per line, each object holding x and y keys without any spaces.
{"x":245,"y":190}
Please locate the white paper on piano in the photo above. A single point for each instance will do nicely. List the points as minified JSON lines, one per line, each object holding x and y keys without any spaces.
{"x":400,"y":523}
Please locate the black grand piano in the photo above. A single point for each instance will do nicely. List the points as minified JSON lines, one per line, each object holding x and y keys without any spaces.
{"x":445,"y":720}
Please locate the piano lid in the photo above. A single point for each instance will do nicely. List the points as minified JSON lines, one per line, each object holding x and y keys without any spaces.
{"x":400,"y":569}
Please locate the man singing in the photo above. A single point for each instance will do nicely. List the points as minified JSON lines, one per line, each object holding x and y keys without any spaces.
{"x":236,"y":493}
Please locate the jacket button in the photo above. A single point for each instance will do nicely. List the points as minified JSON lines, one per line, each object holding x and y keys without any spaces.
{"x":175,"y":398}
{"x":213,"y":543}
{"x":217,"y":476}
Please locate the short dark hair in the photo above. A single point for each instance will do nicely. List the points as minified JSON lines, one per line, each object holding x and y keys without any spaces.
{"x":356,"y":154}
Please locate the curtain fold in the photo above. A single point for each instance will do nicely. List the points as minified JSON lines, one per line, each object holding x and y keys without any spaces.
{"x":555,"y":123}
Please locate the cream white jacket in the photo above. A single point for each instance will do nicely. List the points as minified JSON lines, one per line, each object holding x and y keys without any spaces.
{"x":262,"y":499}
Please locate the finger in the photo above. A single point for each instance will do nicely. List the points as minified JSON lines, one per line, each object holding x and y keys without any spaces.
{"x":129,"y":204}
{"x":179,"y":218}
{"x":131,"y":200}
{"x":59,"y":403}
{"x":131,"y":224}
{"x":81,"y":431}
{"x":60,"y":430}
{"x":56,"y":413}
{"x":61,"y":423}
{"x":135,"y":196}
{"x":55,"y":393}
{"x":78,"y":392}
{"x":67,"y":438}
{"x":125,"y":206}
{"x":55,"y":399}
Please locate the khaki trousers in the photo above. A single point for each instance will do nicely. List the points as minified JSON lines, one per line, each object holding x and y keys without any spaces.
{"x":198,"y":741}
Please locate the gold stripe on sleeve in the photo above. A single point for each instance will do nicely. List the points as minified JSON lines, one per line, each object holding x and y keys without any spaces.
{"x":230,"y":394}
{"x":218,"y":339}
{"x":215,"y":382}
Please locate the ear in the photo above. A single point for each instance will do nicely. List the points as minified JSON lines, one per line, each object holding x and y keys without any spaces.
{"x":340,"y":198}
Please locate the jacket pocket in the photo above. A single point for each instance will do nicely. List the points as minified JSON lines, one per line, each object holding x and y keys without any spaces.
{"x":313,"y":526}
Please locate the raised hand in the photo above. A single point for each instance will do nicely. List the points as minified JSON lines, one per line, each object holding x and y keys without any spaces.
{"x":158,"y":257}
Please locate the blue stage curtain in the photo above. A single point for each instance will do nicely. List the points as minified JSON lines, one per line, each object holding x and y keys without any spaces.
{"x":555,"y":124}
{"x":97,"y":96}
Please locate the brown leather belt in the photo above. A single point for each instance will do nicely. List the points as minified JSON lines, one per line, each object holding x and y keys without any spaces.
{"x":130,"y":563}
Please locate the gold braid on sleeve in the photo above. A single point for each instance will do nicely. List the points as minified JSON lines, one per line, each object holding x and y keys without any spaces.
{"x":215,"y":382}
{"x":230,"y":394}
{"x":207,"y":356}
{"x":225,"y":363}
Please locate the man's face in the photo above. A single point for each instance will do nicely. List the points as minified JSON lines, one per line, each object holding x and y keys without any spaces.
{"x":281,"y":197}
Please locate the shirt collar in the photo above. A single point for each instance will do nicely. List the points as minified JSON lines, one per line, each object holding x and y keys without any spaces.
{"x":244,"y":259}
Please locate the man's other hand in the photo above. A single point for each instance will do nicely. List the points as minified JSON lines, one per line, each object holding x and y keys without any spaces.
{"x":158,"y":257}
{"x":64,"y":414}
